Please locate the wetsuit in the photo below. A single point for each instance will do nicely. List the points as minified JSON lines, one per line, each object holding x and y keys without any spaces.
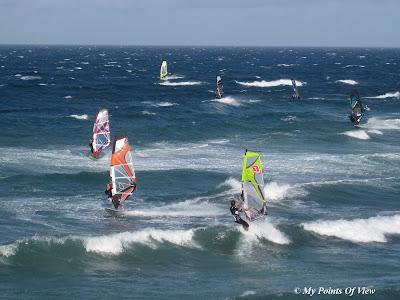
{"x":91,"y":146}
{"x":235,"y":213}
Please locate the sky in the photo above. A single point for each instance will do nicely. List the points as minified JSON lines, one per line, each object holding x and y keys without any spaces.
{"x":317,"y":23}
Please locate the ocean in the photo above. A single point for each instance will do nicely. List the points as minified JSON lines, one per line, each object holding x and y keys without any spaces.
{"x":332,"y":189}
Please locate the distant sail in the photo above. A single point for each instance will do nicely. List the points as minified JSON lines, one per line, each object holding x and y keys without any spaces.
{"x":163,"y":69}
{"x":253,"y":185}
{"x":296,"y":94}
{"x":219,"y":93}
{"x":121,"y":170}
{"x":357,"y":108}
{"x":101,"y":132}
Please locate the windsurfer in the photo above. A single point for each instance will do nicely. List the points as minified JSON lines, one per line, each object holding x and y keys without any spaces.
{"x":108,"y":190}
{"x":91,"y":146}
{"x":235,"y":209}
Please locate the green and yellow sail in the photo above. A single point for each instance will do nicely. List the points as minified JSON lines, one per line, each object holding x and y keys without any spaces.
{"x":253,"y":185}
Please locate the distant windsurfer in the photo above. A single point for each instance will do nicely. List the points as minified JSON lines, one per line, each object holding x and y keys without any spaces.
{"x":295,"y":95}
{"x":219,"y":93}
{"x":235,"y":210}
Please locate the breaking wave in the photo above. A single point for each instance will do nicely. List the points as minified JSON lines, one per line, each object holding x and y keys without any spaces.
{"x":374,"y":229}
{"x":273,"y":83}
{"x":387,"y":95}
{"x":263,"y":229}
{"x":347,"y":81}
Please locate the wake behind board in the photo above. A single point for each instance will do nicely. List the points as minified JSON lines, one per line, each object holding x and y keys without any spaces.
{"x":114,"y":211}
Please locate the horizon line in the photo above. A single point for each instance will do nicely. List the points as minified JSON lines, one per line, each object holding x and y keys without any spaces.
{"x":189,"y":46}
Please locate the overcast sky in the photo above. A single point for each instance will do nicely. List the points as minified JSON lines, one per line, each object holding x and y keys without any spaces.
{"x":202,"y":22}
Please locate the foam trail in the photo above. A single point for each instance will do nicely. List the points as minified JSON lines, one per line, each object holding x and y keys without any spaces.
{"x":357,"y":134}
{"x":273,"y":83}
{"x":182,"y":83}
{"x":386,"y":95}
{"x":228,"y":101}
{"x":347,"y":81}
{"x":198,"y":207}
{"x":374,"y":229}
{"x":172,"y":77}
{"x":378,"y":123}
{"x":79,"y":117}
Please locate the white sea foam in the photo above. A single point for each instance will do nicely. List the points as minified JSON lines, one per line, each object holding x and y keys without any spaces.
{"x":382,"y":124}
{"x":263,"y":230}
{"x":275,"y":192}
{"x":247,"y":293}
{"x":354,"y":66}
{"x":272,"y":83}
{"x":79,"y":117}
{"x":228,"y":101}
{"x":198,"y":207}
{"x":164,"y":104}
{"x":30,"y":77}
{"x":289,"y":119}
{"x":357,"y":134}
{"x":113,"y":244}
{"x":233,"y":183}
{"x":116,"y":243}
{"x":68,"y":97}
{"x":181,"y":83}
{"x":285,"y":65}
{"x":386,"y":95}
{"x":173,"y":77}
{"x":374,"y":229}
{"x":145,"y":112}
{"x":347,"y":81}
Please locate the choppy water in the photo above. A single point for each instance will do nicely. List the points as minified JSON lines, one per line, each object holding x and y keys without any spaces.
{"x":333,"y":190}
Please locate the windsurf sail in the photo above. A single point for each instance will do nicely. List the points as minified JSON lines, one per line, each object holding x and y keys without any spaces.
{"x":253,"y":186}
{"x":296,"y":94}
{"x":357,"y":108}
{"x":121,"y":170}
{"x":101,"y":132}
{"x":163,"y":69}
{"x":219,"y":93}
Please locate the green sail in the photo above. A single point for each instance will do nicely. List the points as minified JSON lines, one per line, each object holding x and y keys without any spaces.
{"x":253,"y":185}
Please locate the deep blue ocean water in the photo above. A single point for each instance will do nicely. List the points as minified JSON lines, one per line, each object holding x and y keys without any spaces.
{"x":333,"y":190}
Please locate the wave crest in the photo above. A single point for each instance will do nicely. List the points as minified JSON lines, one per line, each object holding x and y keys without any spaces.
{"x":374,"y":229}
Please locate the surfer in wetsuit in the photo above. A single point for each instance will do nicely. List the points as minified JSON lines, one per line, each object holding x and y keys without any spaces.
{"x":235,"y":209}
{"x":108,"y":192}
{"x":91,"y":147}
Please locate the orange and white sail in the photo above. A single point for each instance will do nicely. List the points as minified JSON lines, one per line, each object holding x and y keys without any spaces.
{"x":121,"y":170}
